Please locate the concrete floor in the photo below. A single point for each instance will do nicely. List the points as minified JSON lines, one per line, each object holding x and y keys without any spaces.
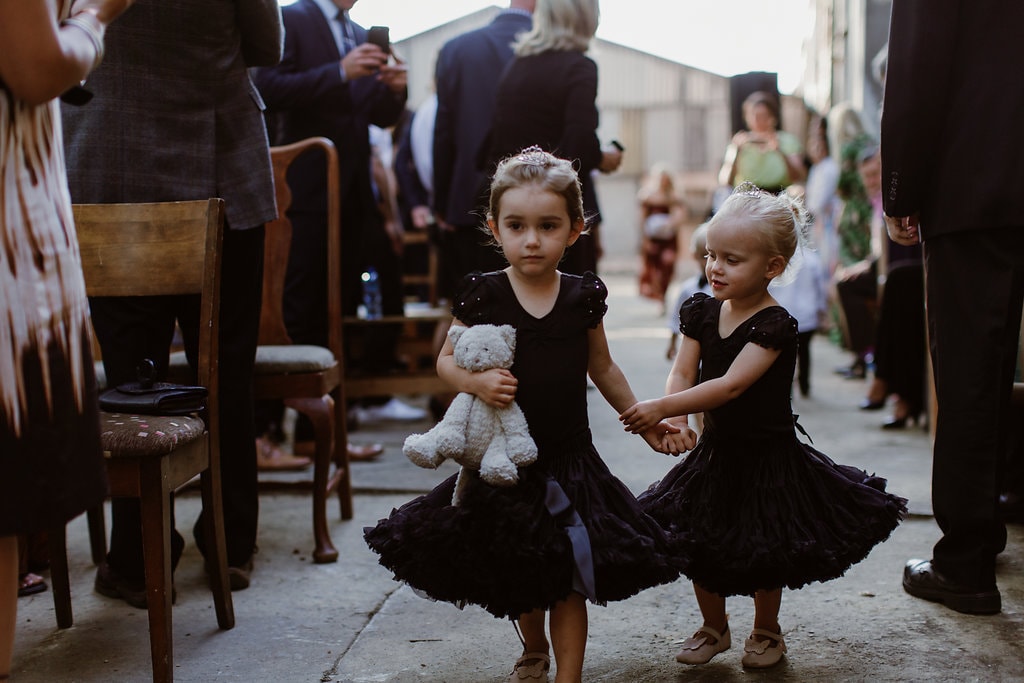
{"x":351,"y":622}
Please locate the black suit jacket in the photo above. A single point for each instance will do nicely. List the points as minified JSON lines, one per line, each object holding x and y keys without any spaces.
{"x":467,"y":73}
{"x":308,"y":97}
{"x":549,"y":100}
{"x":953,"y":114}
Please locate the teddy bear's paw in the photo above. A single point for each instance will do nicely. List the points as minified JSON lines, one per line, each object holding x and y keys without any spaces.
{"x":420,"y":452}
{"x":497,"y":470}
{"x":522,"y":450}
{"x":502,"y":478}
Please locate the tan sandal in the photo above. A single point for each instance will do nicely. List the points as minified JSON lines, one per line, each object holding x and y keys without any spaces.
{"x":536,"y":671}
{"x":698,"y":649}
{"x":763,"y":649}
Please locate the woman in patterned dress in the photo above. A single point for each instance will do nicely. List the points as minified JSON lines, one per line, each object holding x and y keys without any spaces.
{"x":51,"y":466}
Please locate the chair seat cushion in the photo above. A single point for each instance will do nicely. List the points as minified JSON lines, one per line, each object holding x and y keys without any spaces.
{"x":285,"y":359}
{"x":131,"y":436}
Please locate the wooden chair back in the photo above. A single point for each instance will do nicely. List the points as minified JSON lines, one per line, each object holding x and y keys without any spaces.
{"x":278,"y":245}
{"x":306,"y":378}
{"x":154,"y":249}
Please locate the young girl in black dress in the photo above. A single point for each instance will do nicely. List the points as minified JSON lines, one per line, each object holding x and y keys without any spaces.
{"x":569,"y":531}
{"x":754,"y":508}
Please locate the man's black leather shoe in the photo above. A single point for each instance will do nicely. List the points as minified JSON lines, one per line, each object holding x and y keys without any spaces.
{"x":922,"y":580}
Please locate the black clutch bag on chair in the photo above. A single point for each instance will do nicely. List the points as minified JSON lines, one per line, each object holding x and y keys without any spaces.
{"x":147,"y":397}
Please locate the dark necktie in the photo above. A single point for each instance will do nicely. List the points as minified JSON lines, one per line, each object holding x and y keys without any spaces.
{"x":348,"y":40}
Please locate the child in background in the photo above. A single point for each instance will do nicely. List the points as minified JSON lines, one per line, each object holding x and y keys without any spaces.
{"x":569,"y":531}
{"x":690,"y":286}
{"x":662,"y":214}
{"x":805,"y":297}
{"x":755,"y":508}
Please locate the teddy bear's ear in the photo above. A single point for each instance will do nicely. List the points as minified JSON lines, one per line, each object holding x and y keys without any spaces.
{"x":508,"y":333}
{"x":454,"y":332}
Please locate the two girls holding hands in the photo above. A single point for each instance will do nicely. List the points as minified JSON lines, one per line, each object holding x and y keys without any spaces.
{"x":749,"y":511}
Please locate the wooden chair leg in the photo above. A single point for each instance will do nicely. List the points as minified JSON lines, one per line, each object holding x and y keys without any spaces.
{"x":60,"y":582}
{"x":97,"y":534}
{"x":343,"y":469}
{"x":155,"y":509}
{"x":320,"y":414}
{"x":217,"y":562}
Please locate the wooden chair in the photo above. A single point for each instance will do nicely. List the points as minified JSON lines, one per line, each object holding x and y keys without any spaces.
{"x":150,"y":250}
{"x":425,"y":279}
{"x":308,"y":378}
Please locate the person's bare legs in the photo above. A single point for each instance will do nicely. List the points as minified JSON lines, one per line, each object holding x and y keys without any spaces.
{"x":765,"y":646}
{"x":766,"y":610}
{"x":531,"y":628}
{"x":712,"y":608}
{"x":569,"y":638}
{"x":713,"y":636}
{"x":8,"y":601}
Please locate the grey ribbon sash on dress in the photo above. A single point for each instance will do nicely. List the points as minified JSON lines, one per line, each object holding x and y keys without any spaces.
{"x":560,"y":507}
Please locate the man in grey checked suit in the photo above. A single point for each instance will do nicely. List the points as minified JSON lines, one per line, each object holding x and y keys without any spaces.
{"x":175,"y":117}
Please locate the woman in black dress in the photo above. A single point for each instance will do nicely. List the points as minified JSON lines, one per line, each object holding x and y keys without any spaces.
{"x":547,"y":97}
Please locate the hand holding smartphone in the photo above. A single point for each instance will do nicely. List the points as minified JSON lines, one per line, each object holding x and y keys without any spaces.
{"x":381,"y":37}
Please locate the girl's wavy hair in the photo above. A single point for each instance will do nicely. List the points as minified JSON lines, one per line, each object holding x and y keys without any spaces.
{"x":534,"y":166}
{"x":563,"y":25}
{"x":781,"y":222}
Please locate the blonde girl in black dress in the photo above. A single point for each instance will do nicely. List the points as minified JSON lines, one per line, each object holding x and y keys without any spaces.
{"x":754,"y":509}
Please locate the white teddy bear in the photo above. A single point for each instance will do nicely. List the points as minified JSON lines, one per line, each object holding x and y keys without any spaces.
{"x":495,"y":441}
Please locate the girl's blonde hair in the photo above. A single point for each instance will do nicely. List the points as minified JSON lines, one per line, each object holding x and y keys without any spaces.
{"x":780,"y":220}
{"x":563,"y":25}
{"x":535,"y":166}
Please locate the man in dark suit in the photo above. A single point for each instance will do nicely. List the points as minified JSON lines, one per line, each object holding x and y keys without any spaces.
{"x":467,"y":73}
{"x":953,"y":174}
{"x":332,"y":83}
{"x":175,"y":117}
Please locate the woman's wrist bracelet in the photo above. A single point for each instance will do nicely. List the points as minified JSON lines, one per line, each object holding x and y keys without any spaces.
{"x":93,"y":29}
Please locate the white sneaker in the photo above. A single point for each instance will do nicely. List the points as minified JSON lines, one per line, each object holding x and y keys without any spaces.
{"x":392,"y":411}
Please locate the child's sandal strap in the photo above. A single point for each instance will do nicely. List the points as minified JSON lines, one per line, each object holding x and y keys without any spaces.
{"x":712,"y":632}
{"x":538,"y":671}
{"x":777,"y":637}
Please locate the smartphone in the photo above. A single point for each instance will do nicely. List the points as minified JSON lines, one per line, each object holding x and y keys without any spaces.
{"x":618,"y":145}
{"x":381,"y":37}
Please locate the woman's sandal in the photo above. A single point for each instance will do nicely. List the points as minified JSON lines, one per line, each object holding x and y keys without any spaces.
{"x":698,"y":649}
{"x":763,"y":649}
{"x":536,"y":670}
{"x":30,"y":584}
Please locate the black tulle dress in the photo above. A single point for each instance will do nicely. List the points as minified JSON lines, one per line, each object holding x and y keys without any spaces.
{"x":751,"y":505}
{"x":568,"y":524}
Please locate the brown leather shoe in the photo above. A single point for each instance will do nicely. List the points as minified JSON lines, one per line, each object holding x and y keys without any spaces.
{"x":364,"y":452}
{"x":356,"y":453}
{"x":110,"y":584}
{"x":270,"y":458}
{"x":239,"y":578}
